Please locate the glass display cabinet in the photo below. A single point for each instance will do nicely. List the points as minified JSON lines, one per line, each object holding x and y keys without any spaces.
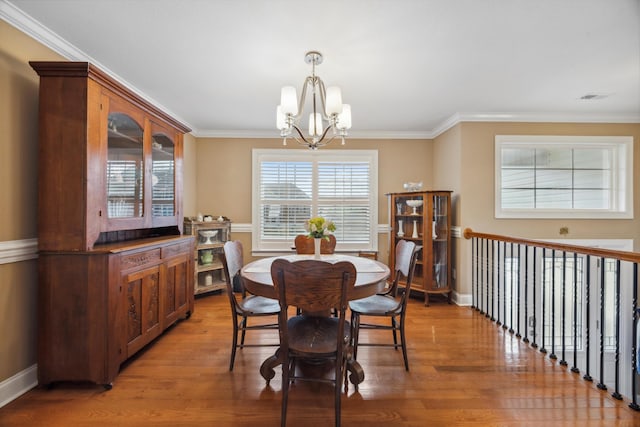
{"x":424,"y":217}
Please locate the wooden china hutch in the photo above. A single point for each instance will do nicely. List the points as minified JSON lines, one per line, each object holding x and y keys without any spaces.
{"x":424,"y":217}
{"x":114,"y":268}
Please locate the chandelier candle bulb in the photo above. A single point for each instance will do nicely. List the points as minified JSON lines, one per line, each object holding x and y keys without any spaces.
{"x":344,"y":118}
{"x":315,"y":126}
{"x":288,"y":100}
{"x":281,"y":121}
{"x":334,"y":100}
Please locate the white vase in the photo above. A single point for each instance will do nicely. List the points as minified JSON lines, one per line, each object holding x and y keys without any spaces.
{"x":415,"y":229}
{"x":400,"y":228}
{"x":316,"y":247}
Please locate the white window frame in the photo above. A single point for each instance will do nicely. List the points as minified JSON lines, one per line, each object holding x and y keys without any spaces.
{"x":622,"y":179}
{"x":260,"y":155}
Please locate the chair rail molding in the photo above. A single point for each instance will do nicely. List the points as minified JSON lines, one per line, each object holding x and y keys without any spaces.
{"x":18,"y":250}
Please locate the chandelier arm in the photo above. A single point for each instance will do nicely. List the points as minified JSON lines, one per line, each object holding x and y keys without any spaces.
{"x":323,"y":99}
{"x":300,"y":136}
{"x":303,"y":96}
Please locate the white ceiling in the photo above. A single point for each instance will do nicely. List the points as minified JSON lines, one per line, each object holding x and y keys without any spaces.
{"x":409,"y":68}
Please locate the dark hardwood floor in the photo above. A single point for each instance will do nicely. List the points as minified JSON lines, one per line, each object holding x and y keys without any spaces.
{"x":465,"y":371}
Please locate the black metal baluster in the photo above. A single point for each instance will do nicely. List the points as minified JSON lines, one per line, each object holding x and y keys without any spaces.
{"x":498,"y":322}
{"x":481,"y":306}
{"x":486,"y":258}
{"x":563,"y":362}
{"x":474,"y":266}
{"x":574,"y":368}
{"x":518,"y":297}
{"x":526,"y":294}
{"x":634,"y":346}
{"x":504,"y":287}
{"x":542,"y":292}
{"x":511,"y":299}
{"x":616,"y":393}
{"x":553,"y":305}
{"x":534,"y":344}
{"x":587,"y":321}
{"x":601,"y":384}
{"x":493,"y":289}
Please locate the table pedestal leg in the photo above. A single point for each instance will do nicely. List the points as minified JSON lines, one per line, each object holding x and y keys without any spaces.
{"x":266,"y":369}
{"x":353,"y":367}
{"x":357,"y":373}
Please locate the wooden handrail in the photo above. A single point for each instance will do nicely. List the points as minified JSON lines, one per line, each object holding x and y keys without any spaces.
{"x":598,"y":252}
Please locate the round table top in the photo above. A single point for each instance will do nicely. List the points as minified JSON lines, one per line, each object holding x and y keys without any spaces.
{"x":370,"y":279}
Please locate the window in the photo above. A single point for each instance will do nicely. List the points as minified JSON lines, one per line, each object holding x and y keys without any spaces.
{"x":564,"y":176}
{"x":291,"y":186}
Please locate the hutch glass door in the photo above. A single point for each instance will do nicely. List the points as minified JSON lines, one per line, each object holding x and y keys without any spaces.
{"x":125,"y":167}
{"x":163,"y":176}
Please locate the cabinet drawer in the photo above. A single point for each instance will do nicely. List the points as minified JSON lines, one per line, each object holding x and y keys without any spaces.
{"x":139,"y":259}
{"x":173,"y":250}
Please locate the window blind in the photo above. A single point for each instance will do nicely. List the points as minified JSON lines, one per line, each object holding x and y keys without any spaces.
{"x":291,"y":186}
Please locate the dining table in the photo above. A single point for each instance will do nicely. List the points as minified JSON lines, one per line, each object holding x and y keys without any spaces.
{"x":371,"y":277}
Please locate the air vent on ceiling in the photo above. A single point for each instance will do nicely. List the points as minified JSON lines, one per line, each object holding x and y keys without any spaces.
{"x":591,"y":96}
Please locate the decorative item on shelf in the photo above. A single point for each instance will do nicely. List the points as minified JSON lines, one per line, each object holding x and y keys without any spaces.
{"x":199,"y":217}
{"x":400,"y":228}
{"x":206,"y":257}
{"x":208,"y":235}
{"x":415,"y":229}
{"x":319,"y":228}
{"x":412,"y":186}
{"x":336,"y":114}
{"x":207,"y":218}
{"x":220,"y":218}
{"x":434,"y":235}
{"x":208,"y":279}
{"x":414,"y":203}
{"x":399,"y":207}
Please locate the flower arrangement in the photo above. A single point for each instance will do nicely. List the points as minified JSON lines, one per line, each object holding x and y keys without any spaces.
{"x":319,"y":227}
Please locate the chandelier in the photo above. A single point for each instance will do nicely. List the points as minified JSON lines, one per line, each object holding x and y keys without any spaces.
{"x":326,"y":121}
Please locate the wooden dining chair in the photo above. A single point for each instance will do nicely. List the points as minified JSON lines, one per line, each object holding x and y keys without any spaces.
{"x":247,"y":305}
{"x":315,"y":287}
{"x":388,"y":304}
{"x":304,"y":245}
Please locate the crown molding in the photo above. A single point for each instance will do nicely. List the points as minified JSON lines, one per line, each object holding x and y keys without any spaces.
{"x":33,"y":28}
{"x":442,"y":127}
{"x":273,"y":134}
{"x":36,"y":30}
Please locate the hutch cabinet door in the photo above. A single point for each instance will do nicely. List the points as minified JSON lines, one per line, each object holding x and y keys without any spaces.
{"x":142,"y":293}
{"x":177,"y":275}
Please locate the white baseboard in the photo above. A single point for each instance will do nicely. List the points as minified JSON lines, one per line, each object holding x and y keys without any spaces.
{"x":17,"y":385}
{"x":462,"y":299}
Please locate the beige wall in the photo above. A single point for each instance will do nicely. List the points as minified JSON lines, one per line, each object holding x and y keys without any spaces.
{"x":224,"y":175}
{"x":476,"y":202}
{"x":18,"y":195}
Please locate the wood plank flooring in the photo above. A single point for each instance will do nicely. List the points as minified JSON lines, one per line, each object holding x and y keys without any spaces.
{"x":465,"y":371}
